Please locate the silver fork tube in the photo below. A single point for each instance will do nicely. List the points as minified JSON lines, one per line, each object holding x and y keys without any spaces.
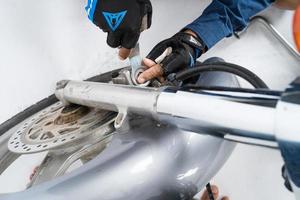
{"x":109,"y":96}
{"x":203,"y":113}
{"x":217,"y":115}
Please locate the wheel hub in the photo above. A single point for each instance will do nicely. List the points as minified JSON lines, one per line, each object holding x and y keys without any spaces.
{"x":58,"y":126}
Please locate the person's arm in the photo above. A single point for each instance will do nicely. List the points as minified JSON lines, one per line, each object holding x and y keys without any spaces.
{"x":220,"y":19}
{"x":224,"y":17}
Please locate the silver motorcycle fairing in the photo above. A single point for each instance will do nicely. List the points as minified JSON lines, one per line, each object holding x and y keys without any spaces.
{"x":149,"y":162}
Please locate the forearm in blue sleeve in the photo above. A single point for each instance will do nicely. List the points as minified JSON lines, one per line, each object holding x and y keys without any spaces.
{"x":224,"y":17}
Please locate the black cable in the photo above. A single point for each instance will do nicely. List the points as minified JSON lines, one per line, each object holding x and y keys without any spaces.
{"x":242,"y":72}
{"x":231,"y":89}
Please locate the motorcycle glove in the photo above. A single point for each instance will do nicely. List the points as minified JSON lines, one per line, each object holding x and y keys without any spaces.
{"x":122,"y":20}
{"x":177,"y":52}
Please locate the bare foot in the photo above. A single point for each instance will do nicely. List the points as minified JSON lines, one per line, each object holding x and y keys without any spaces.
{"x":215,"y":191}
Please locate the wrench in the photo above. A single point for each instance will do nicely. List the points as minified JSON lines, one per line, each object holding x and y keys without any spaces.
{"x":136,"y":65}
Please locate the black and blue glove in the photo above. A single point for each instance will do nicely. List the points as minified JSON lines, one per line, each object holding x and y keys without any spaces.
{"x":122,"y":20}
{"x":180,"y":51}
{"x":172,"y":55}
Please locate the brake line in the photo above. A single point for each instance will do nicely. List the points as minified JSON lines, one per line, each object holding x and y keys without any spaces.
{"x":240,"y":71}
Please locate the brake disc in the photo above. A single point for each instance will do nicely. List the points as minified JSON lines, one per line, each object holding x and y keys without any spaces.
{"x":59,"y":127}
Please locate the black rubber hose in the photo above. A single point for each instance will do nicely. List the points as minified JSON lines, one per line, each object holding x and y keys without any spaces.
{"x":240,"y":71}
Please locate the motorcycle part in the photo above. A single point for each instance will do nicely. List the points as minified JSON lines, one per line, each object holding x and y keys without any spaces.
{"x":81,"y":149}
{"x":224,"y":67}
{"x":136,"y":65}
{"x":58,"y":126}
{"x":144,"y":156}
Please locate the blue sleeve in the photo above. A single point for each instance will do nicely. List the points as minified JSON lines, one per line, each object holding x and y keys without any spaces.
{"x":224,"y":17}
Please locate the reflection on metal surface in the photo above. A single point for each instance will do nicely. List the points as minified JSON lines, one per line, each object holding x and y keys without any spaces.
{"x":142,"y":165}
{"x":191,"y":172}
{"x":287,"y":130}
{"x":149,"y":162}
{"x":57,"y":163}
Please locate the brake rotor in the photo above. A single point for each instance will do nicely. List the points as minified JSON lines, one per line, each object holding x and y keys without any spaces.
{"x":58,"y":127}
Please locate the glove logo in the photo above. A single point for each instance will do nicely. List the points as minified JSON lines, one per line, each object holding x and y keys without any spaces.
{"x":114,"y":19}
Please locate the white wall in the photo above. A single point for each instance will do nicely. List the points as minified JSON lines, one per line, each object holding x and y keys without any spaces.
{"x":42,"y":42}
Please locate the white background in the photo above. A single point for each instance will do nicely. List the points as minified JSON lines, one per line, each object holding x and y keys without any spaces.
{"x":42,"y":42}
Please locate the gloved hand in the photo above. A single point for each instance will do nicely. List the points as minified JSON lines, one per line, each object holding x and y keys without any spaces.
{"x":122,"y":20}
{"x":172,"y":55}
